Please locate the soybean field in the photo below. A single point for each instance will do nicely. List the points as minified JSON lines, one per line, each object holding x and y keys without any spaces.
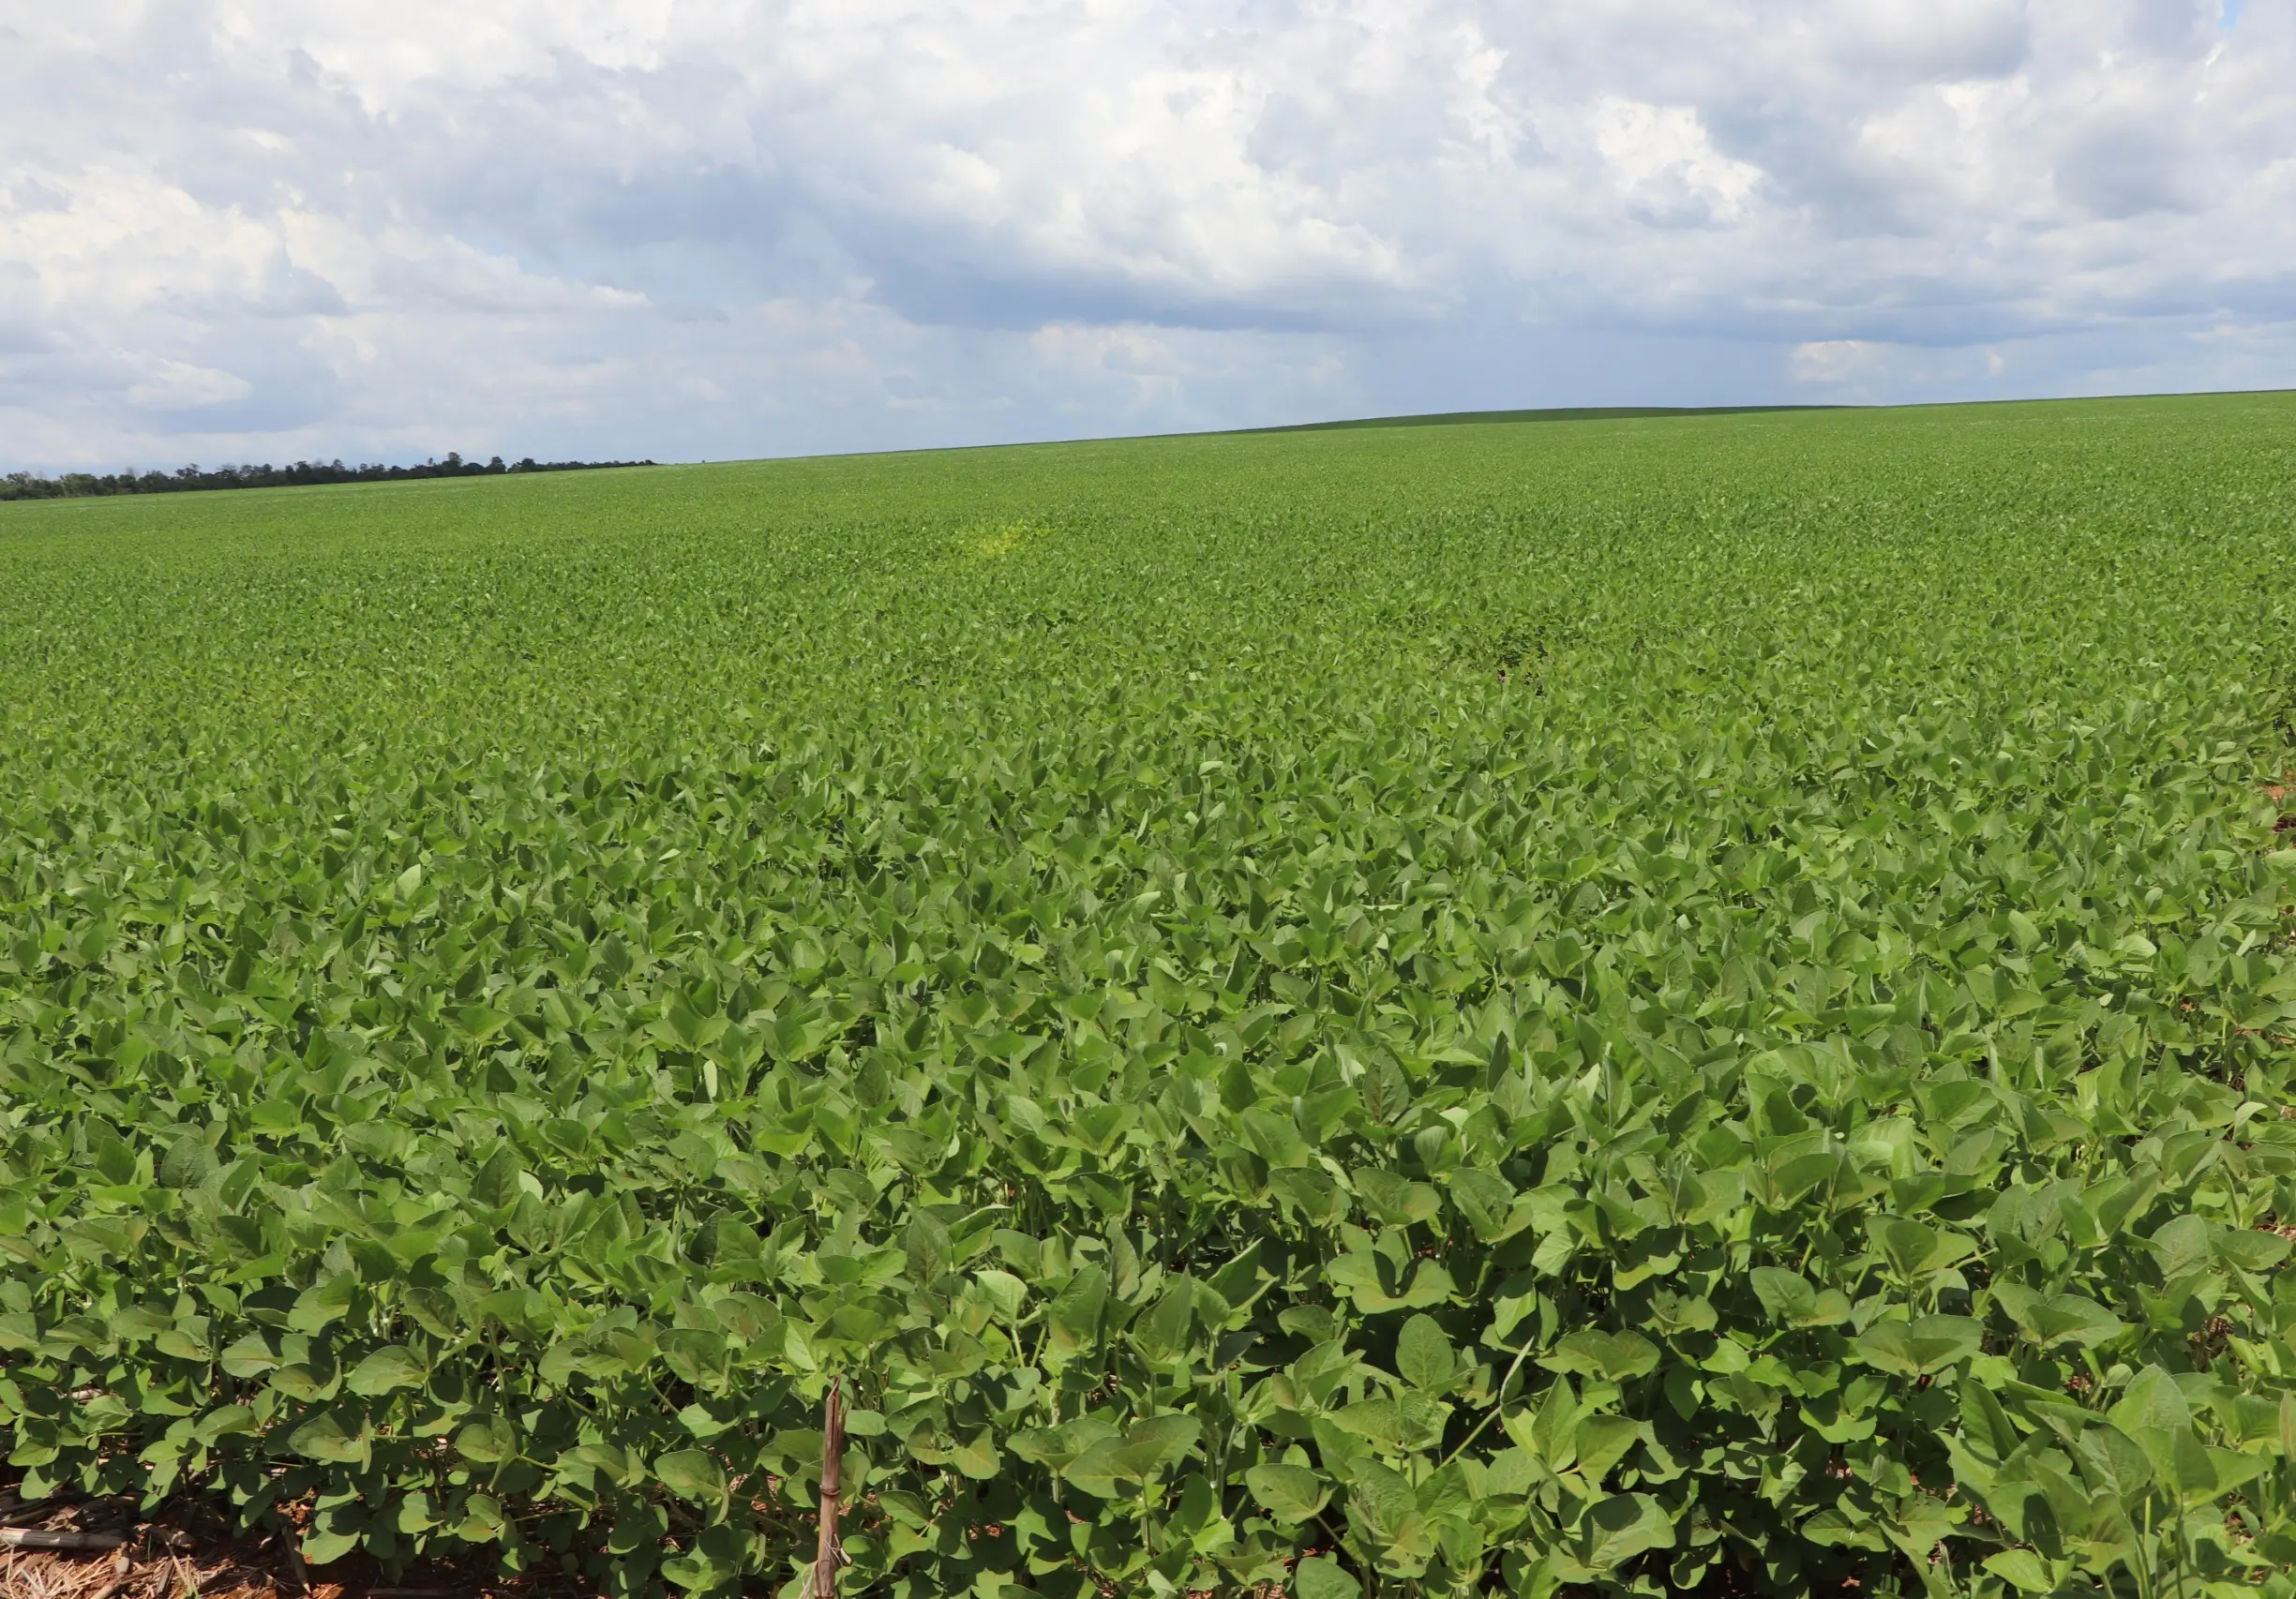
{"x":1627,"y":1005}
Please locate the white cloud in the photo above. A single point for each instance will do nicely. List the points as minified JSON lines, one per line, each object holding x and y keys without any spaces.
{"x":718,"y":226}
{"x":1834,"y":360}
{"x":178,"y":385}
{"x":1666,"y":166}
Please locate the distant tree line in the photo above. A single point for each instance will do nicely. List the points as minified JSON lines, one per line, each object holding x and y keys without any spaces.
{"x":74,"y":485}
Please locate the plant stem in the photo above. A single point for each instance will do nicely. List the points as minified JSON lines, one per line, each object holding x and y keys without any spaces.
{"x":1499,"y":1402}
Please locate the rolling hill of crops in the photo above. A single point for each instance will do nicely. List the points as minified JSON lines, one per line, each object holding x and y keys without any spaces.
{"x":1623,"y":1005}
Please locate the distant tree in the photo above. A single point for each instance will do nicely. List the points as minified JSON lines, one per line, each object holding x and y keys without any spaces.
{"x":192,"y":478}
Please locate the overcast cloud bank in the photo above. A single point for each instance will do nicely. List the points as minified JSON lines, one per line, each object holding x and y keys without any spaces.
{"x":264,"y":229}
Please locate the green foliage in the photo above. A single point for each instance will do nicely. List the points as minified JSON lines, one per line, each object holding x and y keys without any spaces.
{"x":1387,"y":1012}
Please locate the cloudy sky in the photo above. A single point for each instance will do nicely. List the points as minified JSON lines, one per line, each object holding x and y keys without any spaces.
{"x":239,"y":230}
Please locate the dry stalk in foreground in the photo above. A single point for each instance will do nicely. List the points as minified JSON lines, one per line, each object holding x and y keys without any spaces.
{"x":828,"y":1553}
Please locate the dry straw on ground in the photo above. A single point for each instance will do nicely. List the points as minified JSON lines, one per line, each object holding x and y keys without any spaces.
{"x":185,"y":1552}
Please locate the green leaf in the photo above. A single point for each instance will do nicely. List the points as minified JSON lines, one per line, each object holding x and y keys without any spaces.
{"x":487,"y":1440}
{"x":977,"y":1457}
{"x":1917,"y":1349}
{"x":1152,"y":1446}
{"x":1792,"y":1299}
{"x":1076,"y":1312}
{"x":224,"y":1421}
{"x":387,"y":1369}
{"x":2189,"y":1466}
{"x":1915,"y":1249}
{"x":1620,"y":1527}
{"x":324,"y":1303}
{"x":1602,"y":1442}
{"x":1376,"y":1284}
{"x":249,"y":1356}
{"x":1319,"y":1577}
{"x":497,"y":1183}
{"x":1407,"y":1422}
{"x":928,"y":1247}
{"x":1512,"y":1474}
{"x":2070,"y":1317}
{"x":2110,"y":1459}
{"x":1385,"y":1497}
{"x":1397,"y":1201}
{"x":1487,"y":1201}
{"x":330,"y":1436}
{"x":1788,"y":1296}
{"x":1274,"y":1138}
{"x":1004,"y":1291}
{"x":2180,"y":1246}
{"x":1143,"y":1450}
{"x":2250,"y":1250}
{"x":325,"y":1548}
{"x":1163,"y":1334}
{"x":1984,"y":1423}
{"x":1100,"y":1469}
{"x":482,"y":1521}
{"x":2022,"y":1570}
{"x":1424,"y":1357}
{"x":1553,"y":1434}
{"x":191,"y":1163}
{"x":1309,"y":1193}
{"x":691,"y":1475}
{"x":1290,"y":1493}
{"x":1616,"y":1357}
{"x":2152,"y":1402}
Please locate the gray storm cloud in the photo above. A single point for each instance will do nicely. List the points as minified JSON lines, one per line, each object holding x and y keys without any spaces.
{"x":691,"y":227}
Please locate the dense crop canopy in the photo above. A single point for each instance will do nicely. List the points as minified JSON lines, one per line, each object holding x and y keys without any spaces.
{"x":1447,"y":1010}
